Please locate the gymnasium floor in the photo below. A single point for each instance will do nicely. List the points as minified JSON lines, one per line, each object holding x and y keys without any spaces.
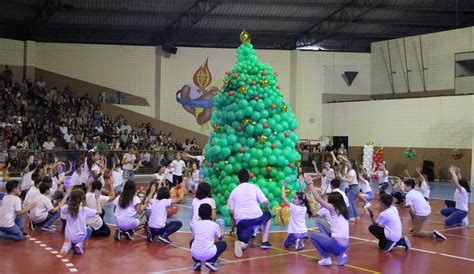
{"x":39,"y":253}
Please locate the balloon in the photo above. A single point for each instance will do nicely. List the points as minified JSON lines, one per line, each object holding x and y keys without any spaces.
{"x":172,"y":210}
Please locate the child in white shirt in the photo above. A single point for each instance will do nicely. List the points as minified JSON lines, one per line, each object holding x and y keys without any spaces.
{"x":366,"y":194}
{"x":203,"y":247}
{"x":44,"y":214}
{"x":203,"y":196}
{"x":195,"y":179}
{"x":420,"y":210}
{"x":388,"y":226}
{"x":127,"y":206}
{"x":297,"y":230}
{"x":157,"y":224}
{"x":99,"y":227}
{"x":76,"y":231}
{"x":11,"y":221}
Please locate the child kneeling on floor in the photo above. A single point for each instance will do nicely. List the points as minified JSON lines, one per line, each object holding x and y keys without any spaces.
{"x":157,"y":224}
{"x":297,"y":230}
{"x":203,"y":247}
{"x":76,"y":231}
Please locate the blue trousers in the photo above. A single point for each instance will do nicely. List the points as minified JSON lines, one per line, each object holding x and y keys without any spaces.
{"x":15,"y":232}
{"x":292,"y":237}
{"x":327,"y":245}
{"x":454,"y":216}
{"x":352,"y":195}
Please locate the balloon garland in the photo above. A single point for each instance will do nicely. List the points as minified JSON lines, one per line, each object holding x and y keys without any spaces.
{"x":457,"y":154}
{"x":410,"y":153}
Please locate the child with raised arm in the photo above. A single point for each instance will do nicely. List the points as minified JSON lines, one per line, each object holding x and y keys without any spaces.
{"x":44,"y":214}
{"x":99,"y":227}
{"x":327,"y":175}
{"x":11,"y":221}
{"x":366,"y":194}
{"x":458,"y":215}
{"x":76,"y":231}
{"x":420,"y":210}
{"x":297,"y":230}
{"x":127,"y":205}
{"x":388,"y":226}
{"x":157,"y":224}
{"x":335,"y":243}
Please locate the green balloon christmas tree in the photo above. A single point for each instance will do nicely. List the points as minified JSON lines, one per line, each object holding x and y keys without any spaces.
{"x":253,"y":129}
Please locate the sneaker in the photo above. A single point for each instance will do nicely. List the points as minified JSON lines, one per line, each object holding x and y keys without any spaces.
{"x":118,"y":234}
{"x":66,"y":248}
{"x":128,"y":234}
{"x":197,"y":266}
{"x":164,"y":239}
{"x":389,"y":246}
{"x":406,"y":243}
{"x":48,"y":228}
{"x":465,"y":222}
{"x":54,"y":226}
{"x":299,"y":245}
{"x":438,"y":235}
{"x":238,"y":249}
{"x":78,"y":249}
{"x":342,"y":259}
{"x":32,"y":225}
{"x":351,"y":219}
{"x":367,"y":205}
{"x":266,"y":245}
{"x":212,"y":266}
{"x":325,"y":261}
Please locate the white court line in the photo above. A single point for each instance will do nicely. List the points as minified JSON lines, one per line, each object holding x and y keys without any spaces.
{"x":73,"y":269}
{"x":54,"y":252}
{"x":43,"y":245}
{"x":64,"y":260}
{"x":454,"y":228}
{"x":48,"y":248}
{"x":422,"y":250}
{"x":456,"y":257}
{"x":59,"y":256}
{"x":38,"y":242}
{"x":69,"y":265}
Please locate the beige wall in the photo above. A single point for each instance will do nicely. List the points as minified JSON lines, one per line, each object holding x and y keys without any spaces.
{"x":11,"y":53}
{"x":436,"y":122}
{"x":130,"y":69}
{"x":438,"y":54}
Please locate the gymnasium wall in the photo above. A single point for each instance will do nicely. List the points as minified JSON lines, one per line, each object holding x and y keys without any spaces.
{"x":11,"y":53}
{"x":130,"y":69}
{"x":438,"y":51}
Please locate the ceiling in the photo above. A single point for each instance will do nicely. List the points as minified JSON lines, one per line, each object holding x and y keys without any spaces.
{"x":341,"y":25}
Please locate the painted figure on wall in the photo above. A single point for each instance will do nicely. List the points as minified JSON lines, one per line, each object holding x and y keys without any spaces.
{"x":196,"y":98}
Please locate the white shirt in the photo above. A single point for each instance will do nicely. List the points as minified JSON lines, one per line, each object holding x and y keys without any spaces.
{"x":352,"y":174}
{"x":126,"y":216}
{"x":169,"y":174}
{"x":390,"y":219}
{"x":416,"y":199}
{"x":195,"y":176}
{"x":339,"y":226}
{"x":461,"y":198}
{"x":195,"y":207}
{"x":10,"y":204}
{"x":78,"y":179}
{"x":48,"y":145}
{"x":26,"y":181}
{"x":40,"y":212}
{"x":178,"y":167}
{"x":244,"y":201}
{"x":344,"y":196}
{"x":117,"y":175}
{"x":31,"y":196}
{"x":298,"y":219}
{"x":159,"y":212}
{"x":95,"y":222}
{"x":382,"y":177}
{"x":76,"y":226}
{"x":423,"y":189}
{"x":365,"y":186}
{"x":128,"y":157}
{"x":204,"y":232}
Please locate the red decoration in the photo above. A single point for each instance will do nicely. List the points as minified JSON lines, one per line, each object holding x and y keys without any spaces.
{"x":269,"y":168}
{"x":278,"y":86}
{"x":253,"y":83}
{"x":178,"y":187}
{"x":273,"y":106}
{"x":235,"y":75}
{"x":231,"y":92}
{"x":282,"y":204}
{"x":256,"y":98}
{"x":287,"y":134}
{"x":239,"y":128}
{"x":292,"y":165}
{"x":274,"y":145}
{"x":210,"y":164}
{"x":241,"y":149}
{"x":227,"y":72}
{"x":264,"y":72}
{"x":172,"y":210}
{"x":251,"y":175}
{"x":265,"y":125}
{"x":276,"y":73}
